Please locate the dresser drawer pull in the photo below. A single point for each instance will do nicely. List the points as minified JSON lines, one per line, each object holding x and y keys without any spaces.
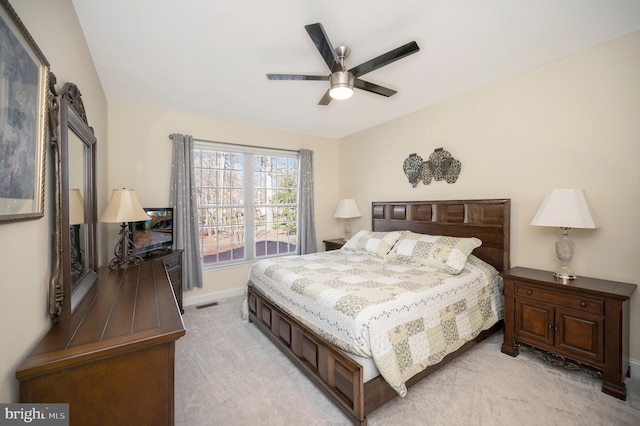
{"x":583,"y":304}
{"x":529,"y":292}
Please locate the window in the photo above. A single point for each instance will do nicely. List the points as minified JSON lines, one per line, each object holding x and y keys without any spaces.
{"x":247,"y":206}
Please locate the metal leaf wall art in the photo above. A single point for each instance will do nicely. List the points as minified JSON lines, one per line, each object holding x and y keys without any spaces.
{"x":440,"y":166}
{"x":412,"y":167}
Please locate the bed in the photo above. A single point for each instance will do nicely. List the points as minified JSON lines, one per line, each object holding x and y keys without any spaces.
{"x":339,"y":361}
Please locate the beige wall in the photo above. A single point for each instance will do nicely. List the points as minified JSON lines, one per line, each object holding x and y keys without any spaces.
{"x":140,"y":158}
{"x":25,"y":252}
{"x":571,"y":123}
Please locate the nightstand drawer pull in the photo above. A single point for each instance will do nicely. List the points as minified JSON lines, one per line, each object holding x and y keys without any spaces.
{"x":529,"y":292}
{"x":583,"y":304}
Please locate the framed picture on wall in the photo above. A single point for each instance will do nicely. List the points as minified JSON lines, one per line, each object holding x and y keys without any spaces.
{"x":24,"y":74}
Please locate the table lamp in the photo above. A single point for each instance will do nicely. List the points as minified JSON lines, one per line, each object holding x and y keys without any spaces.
{"x":347,"y":209}
{"x":123,"y":208}
{"x":566,"y":209}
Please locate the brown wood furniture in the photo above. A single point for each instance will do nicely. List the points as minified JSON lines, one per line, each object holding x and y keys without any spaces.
{"x":586,"y":320}
{"x":112,"y":360}
{"x":336,"y":374}
{"x":172,"y":261}
{"x":333,"y":244}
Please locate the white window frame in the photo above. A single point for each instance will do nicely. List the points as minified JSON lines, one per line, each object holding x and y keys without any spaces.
{"x":249,"y":204}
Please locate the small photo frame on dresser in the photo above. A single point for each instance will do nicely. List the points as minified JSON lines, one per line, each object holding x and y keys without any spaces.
{"x":24,"y":76}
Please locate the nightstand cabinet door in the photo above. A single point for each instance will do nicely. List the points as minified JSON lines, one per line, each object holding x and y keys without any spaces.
{"x":534,"y":322}
{"x":580,"y":335}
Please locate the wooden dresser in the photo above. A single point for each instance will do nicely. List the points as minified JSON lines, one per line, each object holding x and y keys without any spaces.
{"x":586,"y":320}
{"x":113,"y":359}
{"x":172,"y":261}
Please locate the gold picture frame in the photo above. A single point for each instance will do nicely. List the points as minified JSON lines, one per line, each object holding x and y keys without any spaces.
{"x":24,"y":77}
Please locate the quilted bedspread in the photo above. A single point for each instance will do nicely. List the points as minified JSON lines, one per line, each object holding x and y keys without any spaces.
{"x":405,"y":317}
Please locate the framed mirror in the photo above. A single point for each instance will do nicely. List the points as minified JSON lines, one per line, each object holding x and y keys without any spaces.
{"x":75,"y":255}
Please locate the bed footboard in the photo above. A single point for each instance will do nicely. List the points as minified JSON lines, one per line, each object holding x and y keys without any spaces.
{"x":337,"y":375}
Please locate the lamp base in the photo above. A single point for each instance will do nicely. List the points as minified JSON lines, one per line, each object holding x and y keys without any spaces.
{"x":564,"y":276}
{"x":565,"y":249}
{"x":347,"y":230}
{"x":123,"y":251}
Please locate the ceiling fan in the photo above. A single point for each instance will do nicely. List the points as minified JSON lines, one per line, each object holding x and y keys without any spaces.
{"x":342,"y":80}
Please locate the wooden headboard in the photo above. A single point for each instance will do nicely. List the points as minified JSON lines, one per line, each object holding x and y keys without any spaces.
{"x":489,"y":220}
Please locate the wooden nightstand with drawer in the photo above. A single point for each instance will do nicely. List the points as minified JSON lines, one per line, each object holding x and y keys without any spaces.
{"x":585,"y":320}
{"x":334,"y":244}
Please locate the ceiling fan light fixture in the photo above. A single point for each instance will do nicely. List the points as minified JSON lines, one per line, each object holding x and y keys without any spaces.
{"x":341,"y":92}
{"x":341,"y":85}
{"x":343,"y":79}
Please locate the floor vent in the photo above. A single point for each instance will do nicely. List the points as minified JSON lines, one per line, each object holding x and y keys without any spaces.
{"x":207,"y":305}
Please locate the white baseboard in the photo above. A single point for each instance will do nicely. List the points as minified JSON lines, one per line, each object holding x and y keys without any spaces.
{"x":635,"y":368}
{"x":212,"y":297}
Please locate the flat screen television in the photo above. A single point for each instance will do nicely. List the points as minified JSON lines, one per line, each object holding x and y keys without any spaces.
{"x":154,"y":234}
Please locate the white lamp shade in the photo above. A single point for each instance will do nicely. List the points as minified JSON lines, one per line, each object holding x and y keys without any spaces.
{"x":76,"y":207}
{"x":565,"y":208}
{"x":347,"y":209}
{"x":123,"y":207}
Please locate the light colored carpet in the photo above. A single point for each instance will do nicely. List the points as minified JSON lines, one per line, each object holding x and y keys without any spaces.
{"x":226,"y":376}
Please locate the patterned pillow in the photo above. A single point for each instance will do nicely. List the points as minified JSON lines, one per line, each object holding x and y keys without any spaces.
{"x":447,"y":254}
{"x":378,"y":243}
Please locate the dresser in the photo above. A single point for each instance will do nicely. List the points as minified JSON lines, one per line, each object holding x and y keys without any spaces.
{"x":112,"y":360}
{"x":172,"y":261}
{"x":585,"y":320}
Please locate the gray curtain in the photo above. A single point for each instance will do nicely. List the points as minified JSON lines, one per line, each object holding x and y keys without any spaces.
{"x":183,"y":198}
{"x":306,"y":223}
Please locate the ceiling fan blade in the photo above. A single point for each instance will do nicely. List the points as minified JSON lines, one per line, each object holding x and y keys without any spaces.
{"x":385,"y":59}
{"x":325,"y":99}
{"x":373,"y":88}
{"x":297,"y":77}
{"x":321,"y":40}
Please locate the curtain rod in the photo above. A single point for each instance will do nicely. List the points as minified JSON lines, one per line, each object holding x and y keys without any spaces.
{"x":243,"y":145}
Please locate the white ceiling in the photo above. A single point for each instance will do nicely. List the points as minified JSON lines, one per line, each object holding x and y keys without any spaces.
{"x":210,"y":57}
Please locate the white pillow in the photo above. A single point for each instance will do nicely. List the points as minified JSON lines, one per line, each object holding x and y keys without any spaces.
{"x":378,"y":243}
{"x":447,"y":254}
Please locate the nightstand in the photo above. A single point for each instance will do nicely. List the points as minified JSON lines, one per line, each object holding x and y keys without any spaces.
{"x":585,"y":320}
{"x":334,"y":244}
